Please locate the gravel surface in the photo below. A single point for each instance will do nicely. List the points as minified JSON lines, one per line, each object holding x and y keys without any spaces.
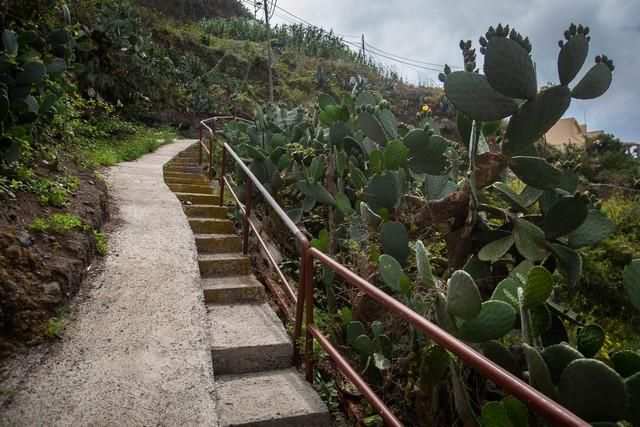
{"x":136,"y":349}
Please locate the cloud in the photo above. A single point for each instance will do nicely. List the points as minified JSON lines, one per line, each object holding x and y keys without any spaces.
{"x":430,"y":30}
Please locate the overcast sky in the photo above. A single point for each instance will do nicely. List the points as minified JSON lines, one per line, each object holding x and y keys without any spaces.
{"x":429,"y":31}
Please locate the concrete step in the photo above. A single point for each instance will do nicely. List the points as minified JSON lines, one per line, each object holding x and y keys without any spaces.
{"x":218,"y":243}
{"x":190,"y":188}
{"x":206,"y":211}
{"x":192,"y":181}
{"x":184,"y":162}
{"x":247,"y":338}
{"x":232,"y":290}
{"x":273,"y":398}
{"x":183,"y":175}
{"x":224,"y":265}
{"x":211,"y":226}
{"x":198,"y":199}
{"x":184,"y":169}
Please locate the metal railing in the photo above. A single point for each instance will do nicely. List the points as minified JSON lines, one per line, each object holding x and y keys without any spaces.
{"x":303,"y":302}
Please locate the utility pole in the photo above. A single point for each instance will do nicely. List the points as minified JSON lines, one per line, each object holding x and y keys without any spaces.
{"x":364,"y":53}
{"x":265,"y":3}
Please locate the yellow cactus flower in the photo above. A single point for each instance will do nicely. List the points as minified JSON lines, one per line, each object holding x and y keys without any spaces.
{"x":426,"y":108}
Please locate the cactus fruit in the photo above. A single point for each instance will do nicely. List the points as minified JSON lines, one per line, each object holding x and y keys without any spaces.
{"x":590,"y":339}
{"x":564,"y":216}
{"x":395,"y":240}
{"x":499,"y":354}
{"x":631,"y":276}
{"x":472,"y":94}
{"x":626,"y":362}
{"x":509,"y":68}
{"x":596,"y":227}
{"x":463,"y":296}
{"x":593,"y":391}
{"x":558,"y":357}
{"x":539,"y":376}
{"x":496,"y":319}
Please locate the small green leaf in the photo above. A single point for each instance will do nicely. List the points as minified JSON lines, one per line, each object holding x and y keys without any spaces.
{"x":381,"y":362}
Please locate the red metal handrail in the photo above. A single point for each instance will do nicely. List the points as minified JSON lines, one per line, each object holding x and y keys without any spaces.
{"x":540,"y":403}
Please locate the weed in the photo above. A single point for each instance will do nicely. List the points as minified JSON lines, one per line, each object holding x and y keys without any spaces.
{"x":101,"y":242}
{"x":144,"y":140}
{"x":58,"y":223}
{"x":57,"y":324}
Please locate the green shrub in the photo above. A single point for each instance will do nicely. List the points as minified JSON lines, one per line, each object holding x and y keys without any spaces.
{"x":58,"y":223}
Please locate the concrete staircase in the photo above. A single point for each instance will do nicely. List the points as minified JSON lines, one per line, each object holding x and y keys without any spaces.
{"x":256,"y":384}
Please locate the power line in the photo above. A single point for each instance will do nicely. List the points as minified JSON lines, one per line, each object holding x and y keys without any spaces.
{"x":371,"y":47}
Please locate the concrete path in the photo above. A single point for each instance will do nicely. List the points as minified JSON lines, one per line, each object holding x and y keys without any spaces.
{"x":137,"y":350}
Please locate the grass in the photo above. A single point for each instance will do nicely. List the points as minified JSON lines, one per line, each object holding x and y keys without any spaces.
{"x":56,"y":325}
{"x":101,"y":242}
{"x":145,"y":140}
{"x":58,"y":223}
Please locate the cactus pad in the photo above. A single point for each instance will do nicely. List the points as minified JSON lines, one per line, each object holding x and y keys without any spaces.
{"x":495,"y":320}
{"x":445,"y":320}
{"x":631,"y":276}
{"x":427,"y":154}
{"x":463,"y":296}
{"x":596,"y":227}
{"x":395,"y":240}
{"x":530,"y":240}
{"x":425,"y":275}
{"x":633,"y":391}
{"x":433,"y":366}
{"x":317,"y":192}
{"x":499,"y":354}
{"x":388,"y":121}
{"x":539,"y":376}
{"x":391,"y":271}
{"x":363,"y":345}
{"x":590,"y":339}
{"x":509,"y":69}
{"x":534,"y":119}
{"x":564,"y":216}
{"x":558,"y":357}
{"x":570,"y":262}
{"x":593,"y":391}
{"x":382,"y":192}
{"x":395,"y":155}
{"x":354,"y":330}
{"x":538,"y":287}
{"x":508,"y":195}
{"x":594,"y":83}
{"x":372,"y":128}
{"x":472,"y":94}
{"x":507,"y":291}
{"x":495,"y":250}
{"x":626,"y":362}
{"x":372,"y":219}
{"x":536,"y":171}
{"x":571,"y":58}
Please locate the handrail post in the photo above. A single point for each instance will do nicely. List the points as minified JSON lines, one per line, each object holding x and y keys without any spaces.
{"x":297,"y":328}
{"x":213,"y":132}
{"x":247,"y":212}
{"x":222,"y":173}
{"x":200,"y":146}
{"x":308,"y":345}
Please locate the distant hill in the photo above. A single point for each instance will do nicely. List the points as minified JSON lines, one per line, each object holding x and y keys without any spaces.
{"x":195,"y":10}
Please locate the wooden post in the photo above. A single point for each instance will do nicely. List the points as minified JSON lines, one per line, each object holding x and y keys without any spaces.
{"x":270,"y":60}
